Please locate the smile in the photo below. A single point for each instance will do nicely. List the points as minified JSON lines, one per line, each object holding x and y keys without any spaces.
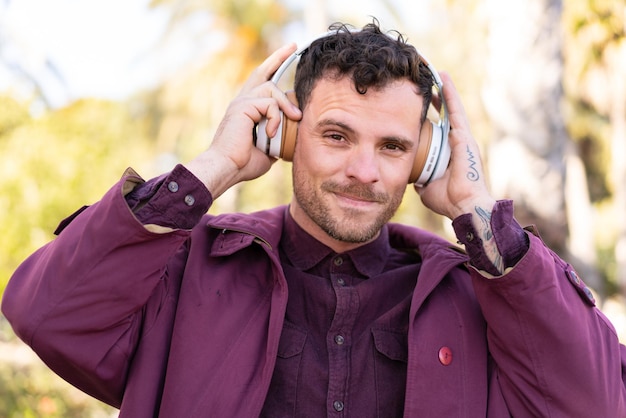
{"x":355,"y":202}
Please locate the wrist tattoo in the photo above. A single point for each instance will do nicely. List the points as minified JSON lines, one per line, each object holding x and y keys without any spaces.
{"x":489,"y":241}
{"x":472,"y":174}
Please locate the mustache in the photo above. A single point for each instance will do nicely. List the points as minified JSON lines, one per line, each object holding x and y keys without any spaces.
{"x":358,"y":190}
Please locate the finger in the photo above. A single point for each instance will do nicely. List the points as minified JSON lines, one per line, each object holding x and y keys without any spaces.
{"x":270,"y":108}
{"x":266,"y":70}
{"x":273,"y":116}
{"x":265,"y":108}
{"x":271,"y":90}
{"x":291,"y":109}
{"x":274,"y":111}
{"x":456,"y":111}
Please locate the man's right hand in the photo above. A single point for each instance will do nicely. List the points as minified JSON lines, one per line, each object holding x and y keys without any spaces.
{"x":233,"y":156}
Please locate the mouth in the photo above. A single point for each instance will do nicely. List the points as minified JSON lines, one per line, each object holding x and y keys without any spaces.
{"x":356,"y":195}
{"x":355,"y":199}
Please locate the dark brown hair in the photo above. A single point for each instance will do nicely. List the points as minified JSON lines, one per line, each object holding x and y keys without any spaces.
{"x":372,"y":59}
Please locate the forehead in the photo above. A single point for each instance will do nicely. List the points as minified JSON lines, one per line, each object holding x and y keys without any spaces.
{"x":397,"y":104}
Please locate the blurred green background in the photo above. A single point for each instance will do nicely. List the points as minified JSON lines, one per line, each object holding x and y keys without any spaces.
{"x":85,"y":94}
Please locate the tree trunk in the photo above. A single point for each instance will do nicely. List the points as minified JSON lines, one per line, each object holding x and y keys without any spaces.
{"x":617,"y":73}
{"x":529,"y":154}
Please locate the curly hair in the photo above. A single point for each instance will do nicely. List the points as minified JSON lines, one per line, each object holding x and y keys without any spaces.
{"x":372,"y":59}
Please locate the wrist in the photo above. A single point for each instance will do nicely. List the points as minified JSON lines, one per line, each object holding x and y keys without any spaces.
{"x":217,"y":173}
{"x":473,"y":206}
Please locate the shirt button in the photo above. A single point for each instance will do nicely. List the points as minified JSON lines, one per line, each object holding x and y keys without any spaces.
{"x":339,"y":339}
{"x":469,"y":236}
{"x":338,"y":405}
{"x":172,"y":186}
{"x":190,"y":200}
{"x":341,"y":282}
{"x":445,"y":356}
{"x":338,"y":261}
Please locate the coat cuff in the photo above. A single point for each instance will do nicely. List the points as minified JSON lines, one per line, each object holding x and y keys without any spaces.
{"x":511,"y":240}
{"x":176,"y":200}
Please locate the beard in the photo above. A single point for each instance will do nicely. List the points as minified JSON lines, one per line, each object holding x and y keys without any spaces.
{"x":347,"y":225}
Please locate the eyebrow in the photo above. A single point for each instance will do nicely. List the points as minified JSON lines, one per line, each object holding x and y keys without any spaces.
{"x":401,"y":141}
{"x":333,"y":122}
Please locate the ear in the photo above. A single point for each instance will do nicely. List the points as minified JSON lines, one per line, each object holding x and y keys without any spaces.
{"x":290,"y":132}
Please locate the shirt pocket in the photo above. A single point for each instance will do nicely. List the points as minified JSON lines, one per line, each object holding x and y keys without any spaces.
{"x":390,"y":367}
{"x":281,"y":397}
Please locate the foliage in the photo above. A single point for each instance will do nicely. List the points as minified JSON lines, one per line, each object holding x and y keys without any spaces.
{"x":51,"y":166}
{"x":28,"y":389}
{"x":12,"y":115}
{"x":54,"y":164}
{"x":595,"y":47}
{"x":593,"y":29}
{"x":32,"y":391}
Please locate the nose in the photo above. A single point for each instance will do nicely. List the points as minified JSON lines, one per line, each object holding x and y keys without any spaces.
{"x":362,"y":165}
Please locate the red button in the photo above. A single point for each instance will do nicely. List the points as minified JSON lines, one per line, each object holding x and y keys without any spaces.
{"x":445,"y":356}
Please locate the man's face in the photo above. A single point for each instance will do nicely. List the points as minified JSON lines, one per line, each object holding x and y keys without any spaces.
{"x":353,"y":158}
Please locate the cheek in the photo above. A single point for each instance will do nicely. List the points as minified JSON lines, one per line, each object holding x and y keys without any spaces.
{"x":396,"y":196}
{"x":397,"y":193}
{"x":316,"y":162}
{"x":396,"y":173}
{"x":307,"y":171}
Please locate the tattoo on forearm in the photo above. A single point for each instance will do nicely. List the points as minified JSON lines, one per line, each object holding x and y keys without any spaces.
{"x":489,"y":242}
{"x":472,"y":174}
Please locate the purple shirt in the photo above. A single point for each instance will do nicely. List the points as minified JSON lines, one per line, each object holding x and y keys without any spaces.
{"x":343,"y":350}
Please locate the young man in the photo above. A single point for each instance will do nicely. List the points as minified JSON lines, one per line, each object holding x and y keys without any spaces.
{"x":321,"y":308}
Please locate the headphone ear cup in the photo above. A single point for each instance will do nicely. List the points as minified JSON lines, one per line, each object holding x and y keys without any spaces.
{"x":289,"y":132}
{"x":423,"y":147}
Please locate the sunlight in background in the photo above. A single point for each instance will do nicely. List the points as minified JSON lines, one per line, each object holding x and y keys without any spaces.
{"x":86,"y":48}
{"x":112,"y":48}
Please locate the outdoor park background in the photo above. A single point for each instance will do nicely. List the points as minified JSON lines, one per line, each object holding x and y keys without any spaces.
{"x":88,"y":88}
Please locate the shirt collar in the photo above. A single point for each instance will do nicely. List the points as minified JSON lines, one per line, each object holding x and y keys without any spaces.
{"x":305,"y":252}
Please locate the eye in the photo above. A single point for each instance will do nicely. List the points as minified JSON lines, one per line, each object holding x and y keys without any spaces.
{"x":335,"y":136}
{"x":393,"y":146}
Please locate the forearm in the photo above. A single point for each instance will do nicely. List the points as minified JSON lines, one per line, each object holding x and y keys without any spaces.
{"x":545,"y":335}
{"x":542,"y":324}
{"x":81,"y":300}
{"x":482,"y":224}
{"x":108,"y":251}
{"x":78,"y":301}
{"x":103,"y":254}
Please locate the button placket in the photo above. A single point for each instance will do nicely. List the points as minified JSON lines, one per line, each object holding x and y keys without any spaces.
{"x":338,"y":337}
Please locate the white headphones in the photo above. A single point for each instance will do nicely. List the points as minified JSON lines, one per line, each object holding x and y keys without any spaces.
{"x":433,"y":150}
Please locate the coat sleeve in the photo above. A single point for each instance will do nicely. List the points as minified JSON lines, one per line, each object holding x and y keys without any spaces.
{"x":81,"y":301}
{"x":557,"y":355}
